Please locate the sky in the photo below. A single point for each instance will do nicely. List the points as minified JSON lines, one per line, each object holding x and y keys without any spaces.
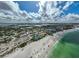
{"x":30,"y":6}
{"x":39,"y":11}
{"x":74,"y":8}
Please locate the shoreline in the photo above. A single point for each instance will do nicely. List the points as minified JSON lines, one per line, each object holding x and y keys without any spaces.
{"x":50,"y":40}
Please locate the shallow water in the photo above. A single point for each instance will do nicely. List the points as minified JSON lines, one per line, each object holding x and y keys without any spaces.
{"x":68,"y":46}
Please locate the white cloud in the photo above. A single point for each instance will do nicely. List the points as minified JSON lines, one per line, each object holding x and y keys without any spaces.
{"x":48,"y":12}
{"x":70,"y":18}
{"x":52,"y":12}
{"x":34,"y":14}
{"x":50,"y":8}
{"x":10,"y":12}
{"x":67,"y":5}
{"x":42,"y":2}
{"x":73,"y":17}
{"x":9,"y":6}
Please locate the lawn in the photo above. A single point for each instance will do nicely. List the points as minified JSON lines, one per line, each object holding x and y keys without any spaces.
{"x":68,"y":46}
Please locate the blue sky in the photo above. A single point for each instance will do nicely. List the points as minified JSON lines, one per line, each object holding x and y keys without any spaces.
{"x":30,"y":6}
{"x":74,"y":8}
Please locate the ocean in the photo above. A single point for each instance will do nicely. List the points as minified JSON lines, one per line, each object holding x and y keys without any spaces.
{"x":68,"y":46}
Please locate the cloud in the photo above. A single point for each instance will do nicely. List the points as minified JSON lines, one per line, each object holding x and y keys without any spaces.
{"x":67,"y":5}
{"x":70,"y":18}
{"x":9,"y":6}
{"x":48,"y":13}
{"x":10,"y":12}
{"x":50,"y":8}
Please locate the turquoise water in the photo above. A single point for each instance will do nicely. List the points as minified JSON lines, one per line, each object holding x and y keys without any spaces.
{"x":68,"y":46}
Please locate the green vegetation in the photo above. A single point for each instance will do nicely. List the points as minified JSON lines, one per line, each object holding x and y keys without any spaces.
{"x":68,"y":46}
{"x":9,"y":33}
{"x":22,"y":45}
{"x":36,"y":37}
